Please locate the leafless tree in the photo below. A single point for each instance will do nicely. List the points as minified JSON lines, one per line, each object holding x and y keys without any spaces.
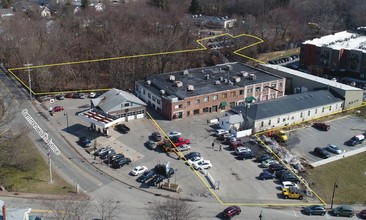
{"x":107,"y":208}
{"x":173,"y":209}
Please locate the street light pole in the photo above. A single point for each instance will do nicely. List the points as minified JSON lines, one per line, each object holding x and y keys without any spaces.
{"x":29,"y":79}
{"x":175,"y":176}
{"x":334,"y":187}
{"x":67,"y":121}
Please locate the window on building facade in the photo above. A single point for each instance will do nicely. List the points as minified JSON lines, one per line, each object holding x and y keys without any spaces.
{"x":153,"y":98}
{"x":273,"y":85}
{"x":198,"y":101}
{"x":233,"y":93}
{"x":127,"y":104}
{"x":284,"y":119}
{"x":309,"y":113}
{"x":278,"y":120}
{"x":273,"y":96}
{"x":205,"y":109}
{"x":269,"y":122}
{"x":301,"y":115}
{"x":214,"y":97}
{"x":224,"y":95}
{"x":262,"y":123}
{"x":149,"y":95}
{"x":362,"y":75}
{"x":316,"y":111}
{"x":205,"y":99}
{"x":258,"y":89}
{"x":188,"y":103}
{"x":143,"y":91}
{"x":323,"y":109}
{"x":330,"y":108}
{"x":158,"y":101}
{"x":241,"y":92}
{"x":250,"y":90}
{"x":196,"y":112}
{"x":232,"y":104}
{"x":280,"y":84}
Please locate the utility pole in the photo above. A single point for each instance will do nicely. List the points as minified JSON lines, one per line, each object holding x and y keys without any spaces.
{"x":29,"y":79}
{"x":49,"y":164}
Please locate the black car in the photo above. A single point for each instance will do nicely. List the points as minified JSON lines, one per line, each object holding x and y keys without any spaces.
{"x":263,"y":157}
{"x":289,"y":177}
{"x":146,"y":176}
{"x":156,"y":136}
{"x":321,"y":126}
{"x":275,"y":167}
{"x":246,"y":155}
{"x":191,"y":155}
{"x":315,"y":210}
{"x":85,"y":141}
{"x":121,"y":162}
{"x":97,"y":152}
{"x":321,"y":152}
{"x":122,"y":128}
{"x":156,"y":180}
{"x":106,"y":154}
{"x":279,"y":173}
{"x":113,"y":157}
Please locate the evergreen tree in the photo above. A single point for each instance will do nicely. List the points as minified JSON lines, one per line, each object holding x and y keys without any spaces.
{"x":6,"y":3}
{"x":85,"y":3}
{"x":195,"y":7}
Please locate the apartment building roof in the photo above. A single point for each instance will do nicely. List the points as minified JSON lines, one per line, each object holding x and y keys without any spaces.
{"x":207,"y":80}
{"x":352,"y":40}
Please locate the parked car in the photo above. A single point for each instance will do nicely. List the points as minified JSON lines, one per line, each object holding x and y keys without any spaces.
{"x":231,"y":211}
{"x":265,"y":175}
{"x":180,"y":141}
{"x":194,"y":160}
{"x":315,"y":210}
{"x":161,"y":169}
{"x":174,"y":134}
{"x":344,"y":210}
{"x":223,"y":137}
{"x":240,"y":150}
{"x":156,"y":180}
{"x":184,"y":147}
{"x":138,"y":170}
{"x":263,"y":157}
{"x":151,"y":144}
{"x":219,"y":132}
{"x":92,"y":95}
{"x":246,"y":155}
{"x":112,"y":157}
{"x":156,"y":136}
{"x":106,"y":154}
{"x":76,"y":95}
{"x":275,"y":166}
{"x":121,"y":162}
{"x":333,"y":148}
{"x":85,"y":141}
{"x":266,"y":163}
{"x":321,"y":126}
{"x":146,"y":176}
{"x":60,"y":96}
{"x":287,"y":184}
{"x":357,"y":139}
{"x":321,"y":152}
{"x":289,"y":177}
{"x":279,"y":173}
{"x":293,"y":193}
{"x":116,"y":157}
{"x":201,"y":165}
{"x":192,"y":154}
{"x":235,"y":144}
{"x":82,"y":95}
{"x":58,"y":108}
{"x":122,"y":128}
{"x":362,"y":214}
{"x":69,"y":95}
{"x":100,"y":151}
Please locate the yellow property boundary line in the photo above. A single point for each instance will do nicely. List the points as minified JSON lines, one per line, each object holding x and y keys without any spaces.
{"x":271,"y":151}
{"x":199,"y":42}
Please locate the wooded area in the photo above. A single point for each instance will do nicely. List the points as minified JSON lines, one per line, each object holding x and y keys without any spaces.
{"x":144,"y":27}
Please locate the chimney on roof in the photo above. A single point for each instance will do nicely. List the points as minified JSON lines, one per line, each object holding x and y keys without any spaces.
{"x":4,"y":212}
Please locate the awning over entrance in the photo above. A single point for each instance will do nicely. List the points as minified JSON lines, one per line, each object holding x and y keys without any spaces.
{"x":250,"y":99}
{"x":99,"y":118}
{"x":223,"y":103}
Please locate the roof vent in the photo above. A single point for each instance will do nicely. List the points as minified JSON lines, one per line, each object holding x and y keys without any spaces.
{"x":190,"y":87}
{"x":244,"y":73}
{"x":207,"y":76}
{"x":185,"y":72}
{"x":226,"y":80}
{"x":217,"y":82}
{"x":231,"y":83}
{"x":252,"y":76}
{"x":178,"y":83}
{"x":162,"y":92}
{"x":148,"y":82}
{"x":221,"y":78}
{"x":236,"y":79}
{"x":171,"y":77}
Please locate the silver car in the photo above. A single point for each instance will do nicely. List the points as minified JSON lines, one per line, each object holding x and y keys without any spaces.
{"x":333,"y":149}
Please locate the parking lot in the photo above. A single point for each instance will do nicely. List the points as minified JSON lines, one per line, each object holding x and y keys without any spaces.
{"x":237,"y":179}
{"x":303,"y":141}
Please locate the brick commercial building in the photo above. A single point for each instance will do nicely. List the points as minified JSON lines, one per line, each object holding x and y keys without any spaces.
{"x":341,"y":55}
{"x":204,"y":90}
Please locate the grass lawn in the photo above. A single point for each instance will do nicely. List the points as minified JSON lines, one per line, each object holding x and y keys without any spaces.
{"x":265,"y":57}
{"x":35,"y":180}
{"x":351,"y":175}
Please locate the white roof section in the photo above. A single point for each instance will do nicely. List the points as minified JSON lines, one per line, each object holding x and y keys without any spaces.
{"x":115,"y":97}
{"x":341,"y":40}
{"x":313,"y":78}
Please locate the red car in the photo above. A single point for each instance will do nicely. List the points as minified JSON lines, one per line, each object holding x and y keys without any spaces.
{"x":58,"y":108}
{"x":235,"y":144}
{"x":321,"y":126}
{"x":231,"y":211}
{"x":180,"y":141}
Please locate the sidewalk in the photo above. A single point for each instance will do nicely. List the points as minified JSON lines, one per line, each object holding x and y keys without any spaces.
{"x":338,"y":157}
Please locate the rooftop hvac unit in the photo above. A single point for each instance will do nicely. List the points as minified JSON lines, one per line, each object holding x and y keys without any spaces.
{"x":231,"y":83}
{"x":221,"y":78}
{"x":226,"y":81}
{"x":185,"y":72}
{"x":148,"y":82}
{"x":162,"y":92}
{"x":236,"y":79}
{"x":217,"y":82}
{"x":207,"y":76}
{"x":252,"y":76}
{"x":171,"y":77}
{"x":190,"y":87}
{"x":178,"y":83}
{"x":244,"y":73}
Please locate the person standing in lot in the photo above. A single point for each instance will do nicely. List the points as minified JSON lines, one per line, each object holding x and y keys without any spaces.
{"x":220,"y":148}
{"x":213,"y":145}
